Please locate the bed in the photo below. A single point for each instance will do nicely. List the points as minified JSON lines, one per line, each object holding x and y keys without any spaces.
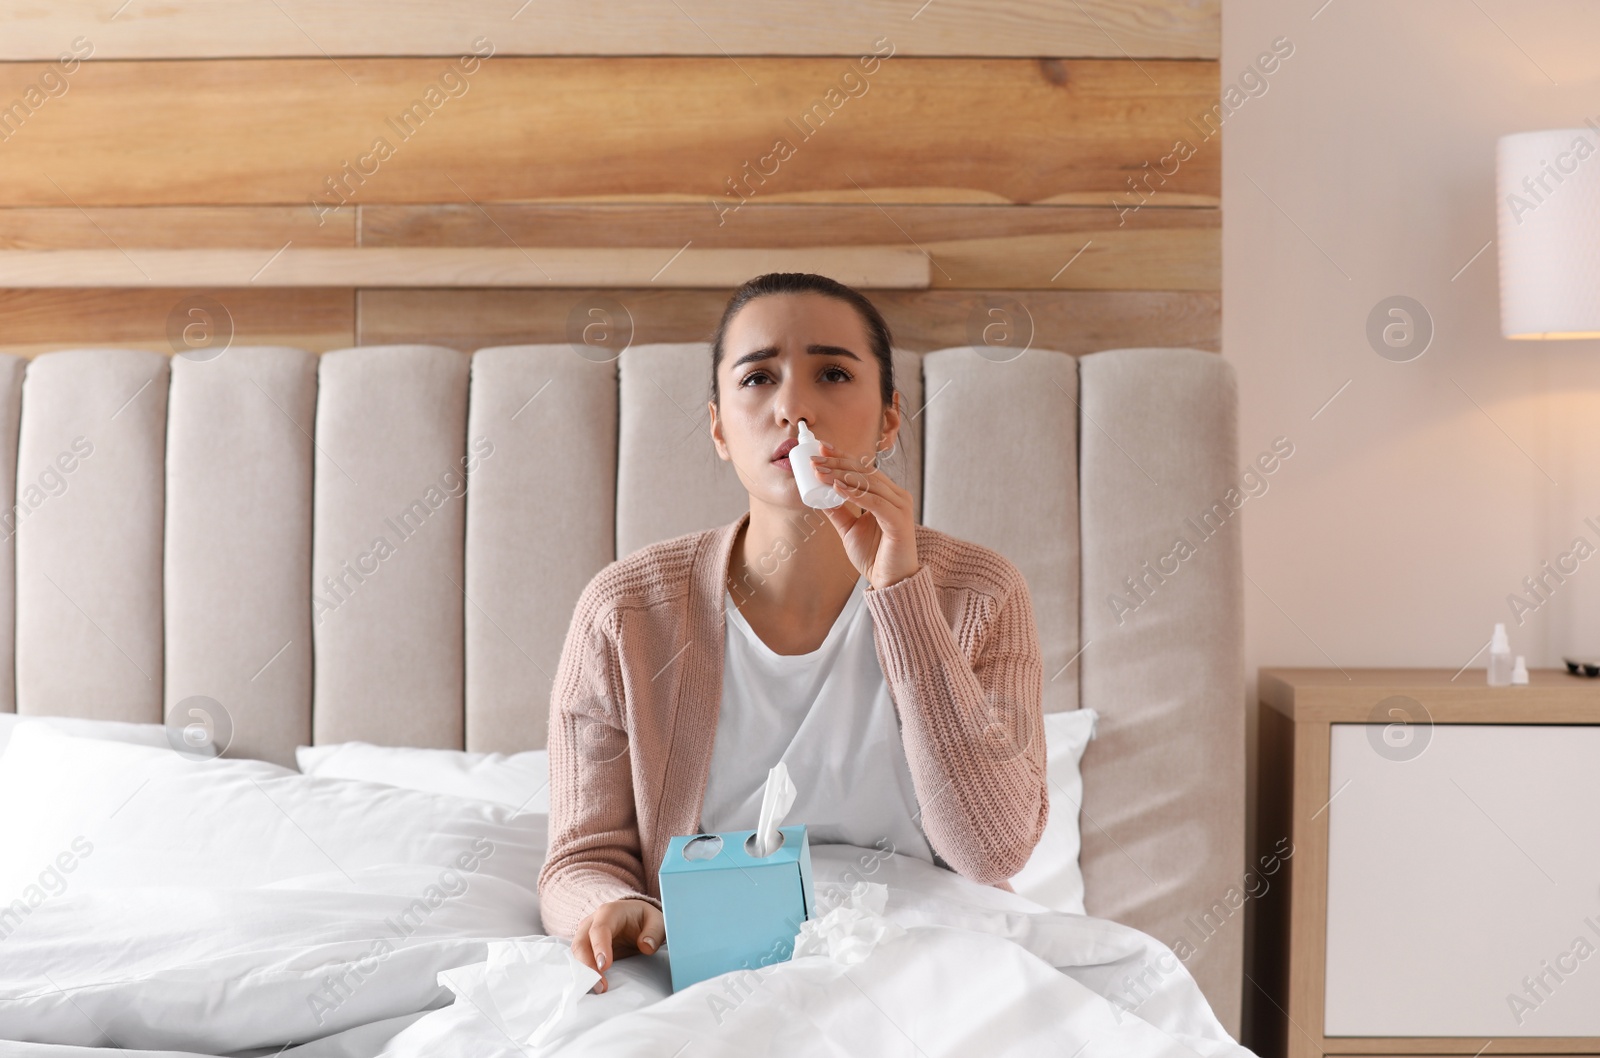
{"x":209,"y":558}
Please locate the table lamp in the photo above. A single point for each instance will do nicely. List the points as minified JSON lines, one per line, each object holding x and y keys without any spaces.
{"x":1549,"y":232}
{"x":1548,"y":184}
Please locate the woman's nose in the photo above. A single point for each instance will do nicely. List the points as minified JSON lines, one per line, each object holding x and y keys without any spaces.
{"x":792,"y":403}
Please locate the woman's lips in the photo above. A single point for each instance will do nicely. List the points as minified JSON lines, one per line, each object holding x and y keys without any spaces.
{"x":781,"y":456}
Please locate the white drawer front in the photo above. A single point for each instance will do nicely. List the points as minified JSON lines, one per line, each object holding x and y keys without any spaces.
{"x":1464,"y":882}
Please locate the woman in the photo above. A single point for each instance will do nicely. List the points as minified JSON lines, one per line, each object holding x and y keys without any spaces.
{"x":894,"y":669}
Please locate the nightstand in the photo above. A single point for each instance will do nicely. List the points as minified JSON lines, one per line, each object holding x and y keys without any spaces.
{"x":1441,"y":894}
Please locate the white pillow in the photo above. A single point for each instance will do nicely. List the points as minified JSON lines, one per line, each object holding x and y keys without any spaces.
{"x":204,"y":905}
{"x":1052,"y":876}
{"x":521,"y":780}
{"x":110,"y":730}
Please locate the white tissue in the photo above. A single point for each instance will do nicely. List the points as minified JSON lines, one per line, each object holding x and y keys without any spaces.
{"x":776,"y":800}
{"x":526,"y":988}
{"x":848,"y":933}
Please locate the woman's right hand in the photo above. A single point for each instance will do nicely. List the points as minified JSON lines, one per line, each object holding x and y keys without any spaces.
{"x":616,"y":930}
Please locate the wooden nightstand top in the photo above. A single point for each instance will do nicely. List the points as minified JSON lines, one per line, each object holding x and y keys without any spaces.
{"x":1334,"y":696}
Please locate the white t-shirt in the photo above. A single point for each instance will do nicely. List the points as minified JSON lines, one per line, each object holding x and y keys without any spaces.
{"x":829,"y":717}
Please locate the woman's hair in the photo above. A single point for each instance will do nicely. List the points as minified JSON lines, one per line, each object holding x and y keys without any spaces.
{"x":807,"y":283}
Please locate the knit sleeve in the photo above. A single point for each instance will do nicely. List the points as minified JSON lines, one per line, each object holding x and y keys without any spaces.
{"x":973,"y":732}
{"x":594,"y":854}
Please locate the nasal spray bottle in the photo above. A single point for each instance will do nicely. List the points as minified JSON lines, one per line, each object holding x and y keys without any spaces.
{"x":1500,"y":658}
{"x":813,"y":493}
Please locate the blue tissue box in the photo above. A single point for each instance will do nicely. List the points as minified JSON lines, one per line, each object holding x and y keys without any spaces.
{"x":726,"y":909}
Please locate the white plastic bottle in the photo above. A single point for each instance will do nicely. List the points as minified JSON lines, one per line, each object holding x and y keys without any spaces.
{"x":1519,"y":672}
{"x":1500,"y":658}
{"x":813,"y":493}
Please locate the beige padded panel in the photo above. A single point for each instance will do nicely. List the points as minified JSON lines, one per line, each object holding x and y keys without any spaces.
{"x":11,"y":371}
{"x":89,"y":551}
{"x":904,"y":462}
{"x":387,"y":567}
{"x":1001,"y":457}
{"x":1164,"y":783}
{"x":238,"y":554}
{"x":541,"y":519}
{"x":670,"y":479}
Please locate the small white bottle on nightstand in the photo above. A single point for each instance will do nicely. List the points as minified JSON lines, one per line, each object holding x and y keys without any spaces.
{"x":1519,"y":672}
{"x":1500,"y":658}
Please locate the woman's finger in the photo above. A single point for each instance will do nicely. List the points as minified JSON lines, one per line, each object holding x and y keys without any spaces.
{"x":844,"y":516}
{"x":580,"y":942}
{"x":651,"y":931}
{"x":859,"y":494}
{"x":846,"y":463}
{"x":858,"y":487}
{"x":582,"y":949}
{"x":851,"y":478}
{"x":600,"y":941}
{"x":857,"y":474}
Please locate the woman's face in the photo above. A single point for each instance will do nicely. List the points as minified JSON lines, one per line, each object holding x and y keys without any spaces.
{"x":788,"y":357}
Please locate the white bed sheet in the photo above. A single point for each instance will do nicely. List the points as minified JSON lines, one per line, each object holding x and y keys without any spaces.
{"x":977,"y":971}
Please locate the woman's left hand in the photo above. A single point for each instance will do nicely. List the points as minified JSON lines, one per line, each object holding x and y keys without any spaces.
{"x":876,"y":521}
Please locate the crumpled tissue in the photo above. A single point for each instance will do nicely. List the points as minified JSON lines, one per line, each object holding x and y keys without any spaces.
{"x":848,"y":933}
{"x":525,"y":988}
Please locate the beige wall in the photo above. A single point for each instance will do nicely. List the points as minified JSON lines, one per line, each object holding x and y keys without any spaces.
{"x":1426,"y":491}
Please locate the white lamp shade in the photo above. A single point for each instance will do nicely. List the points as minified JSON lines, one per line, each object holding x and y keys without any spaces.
{"x":1549,"y":232}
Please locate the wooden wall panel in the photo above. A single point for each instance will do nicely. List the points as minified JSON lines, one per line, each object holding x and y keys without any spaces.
{"x":295,"y":132}
{"x":179,"y":29}
{"x":972,"y":247}
{"x":37,"y":321}
{"x":863,"y":266}
{"x":757,"y":224}
{"x":246,"y":161}
{"x":1072,"y":322}
{"x":969,"y":247}
{"x":173,"y":227}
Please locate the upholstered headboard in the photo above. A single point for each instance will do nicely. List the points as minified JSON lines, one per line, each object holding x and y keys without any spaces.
{"x":292,"y":537}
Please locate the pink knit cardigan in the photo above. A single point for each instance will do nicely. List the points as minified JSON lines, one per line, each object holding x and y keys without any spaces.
{"x":633,"y":714}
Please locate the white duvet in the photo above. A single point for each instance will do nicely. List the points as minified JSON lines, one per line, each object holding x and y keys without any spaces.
{"x":425,"y":950}
{"x":976,"y":971}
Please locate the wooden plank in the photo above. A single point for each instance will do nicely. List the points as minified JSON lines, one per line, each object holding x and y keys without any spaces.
{"x":172,"y":227}
{"x":757,"y":224}
{"x":1308,"y":879}
{"x":1108,"y":260}
{"x":863,"y":266}
{"x":1266,"y":989}
{"x":972,"y":247}
{"x":1309,"y":695}
{"x":1473,"y":1046}
{"x":37,"y":321}
{"x":1070,"y":321}
{"x":34,"y":321}
{"x":202,"y":29}
{"x":302,"y":132}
